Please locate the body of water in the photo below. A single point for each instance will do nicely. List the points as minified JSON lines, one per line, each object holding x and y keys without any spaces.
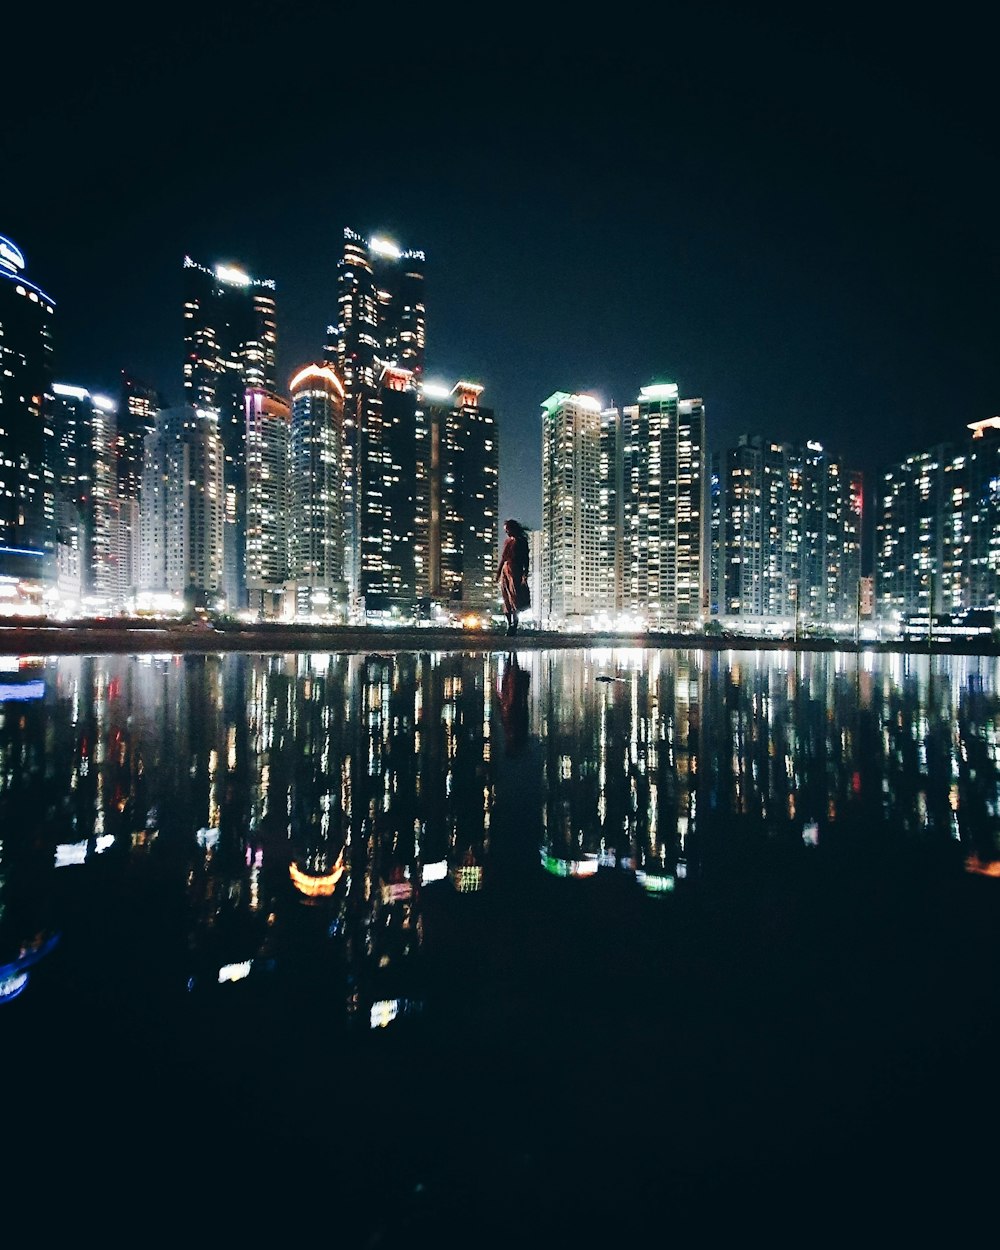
{"x":473,"y":944}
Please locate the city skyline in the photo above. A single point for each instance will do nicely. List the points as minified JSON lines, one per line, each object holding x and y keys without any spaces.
{"x":791,"y":222}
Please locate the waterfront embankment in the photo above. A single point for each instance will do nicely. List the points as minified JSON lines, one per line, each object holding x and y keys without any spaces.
{"x":117,"y":635}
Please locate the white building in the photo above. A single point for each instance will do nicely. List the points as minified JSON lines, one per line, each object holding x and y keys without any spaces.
{"x":317,"y":539}
{"x":181,"y":510}
{"x":268,"y":419}
{"x":571,"y":511}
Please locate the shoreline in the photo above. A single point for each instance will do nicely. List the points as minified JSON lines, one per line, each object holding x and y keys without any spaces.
{"x":117,"y":637}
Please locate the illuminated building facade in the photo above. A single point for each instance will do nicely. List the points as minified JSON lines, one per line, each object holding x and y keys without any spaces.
{"x":27,"y":537}
{"x":832,"y":509}
{"x":937,"y":528}
{"x":268,"y":426}
{"x":979,"y":504}
{"x":662,"y":441}
{"x":230,"y":344}
{"x":762,"y":529}
{"x":611,"y":470}
{"x":391,"y":545}
{"x":716,"y":532}
{"x":316,"y":547}
{"x":459,"y":470}
{"x":571,"y":510}
{"x":82,"y":458}
{"x":381,"y":322}
{"x":181,"y":514}
{"x":138,"y":404}
{"x":786,"y":526}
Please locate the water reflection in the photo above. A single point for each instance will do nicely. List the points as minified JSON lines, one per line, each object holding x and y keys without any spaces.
{"x":292,"y":815}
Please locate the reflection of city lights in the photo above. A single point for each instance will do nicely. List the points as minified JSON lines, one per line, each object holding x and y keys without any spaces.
{"x":70,"y":853}
{"x":385,"y":1010}
{"x":11,"y":986}
{"x":313,"y":886}
{"x":585,"y":867}
{"x":434,"y":872}
{"x":467,"y":878}
{"x":396,"y":891}
{"x":234,"y":972}
{"x":654,"y":882}
{"x":985,"y":868}
{"x":10,"y":693}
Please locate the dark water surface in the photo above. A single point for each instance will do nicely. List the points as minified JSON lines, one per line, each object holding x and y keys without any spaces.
{"x":455,"y":948}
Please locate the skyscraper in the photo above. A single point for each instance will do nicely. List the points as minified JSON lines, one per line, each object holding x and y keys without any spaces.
{"x":611,"y":472}
{"x":82,"y":458}
{"x":762,"y":531}
{"x":27,"y":542}
{"x":662,"y":445}
{"x":381,"y":322}
{"x":181,"y":515}
{"x":230,"y":344}
{"x":316,"y":547}
{"x":790,"y":534}
{"x":137,"y":407}
{"x":937,"y":518}
{"x":268,"y":427}
{"x":831,"y":537}
{"x":571,"y":509}
{"x":138,"y":404}
{"x":390,"y":538}
{"x":459,"y":474}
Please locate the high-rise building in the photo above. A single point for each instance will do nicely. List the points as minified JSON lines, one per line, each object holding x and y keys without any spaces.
{"x":458,"y":472}
{"x":83,"y":467}
{"x":832,"y":507}
{"x":317,"y":534}
{"x":979,"y":504}
{"x":230,"y":345}
{"x":662,"y":447}
{"x":390,"y":539}
{"x":937,"y":528}
{"x":27,"y":539}
{"x":268,"y":426}
{"x":138,"y":404}
{"x":908,"y":533}
{"x":716,"y":532}
{"x":611,"y":472}
{"x":787,"y":523}
{"x":762,"y":535}
{"x":181,"y":514}
{"x":381,"y":322}
{"x":571,"y":510}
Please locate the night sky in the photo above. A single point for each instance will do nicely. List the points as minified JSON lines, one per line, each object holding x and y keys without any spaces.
{"x":792,"y":215}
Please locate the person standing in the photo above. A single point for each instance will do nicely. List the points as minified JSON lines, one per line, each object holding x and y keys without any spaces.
{"x":512,"y":573}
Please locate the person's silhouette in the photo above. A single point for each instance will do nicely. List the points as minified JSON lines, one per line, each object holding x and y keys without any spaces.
{"x":512,"y":573}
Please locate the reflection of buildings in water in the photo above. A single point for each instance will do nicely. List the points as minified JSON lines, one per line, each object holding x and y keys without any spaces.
{"x":386,"y":932}
{"x":466,"y":793}
{"x":380,"y":771}
{"x":228,"y":931}
{"x":28,"y":924}
{"x":620,"y":766}
{"x":513,"y":690}
{"x":814,"y":747}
